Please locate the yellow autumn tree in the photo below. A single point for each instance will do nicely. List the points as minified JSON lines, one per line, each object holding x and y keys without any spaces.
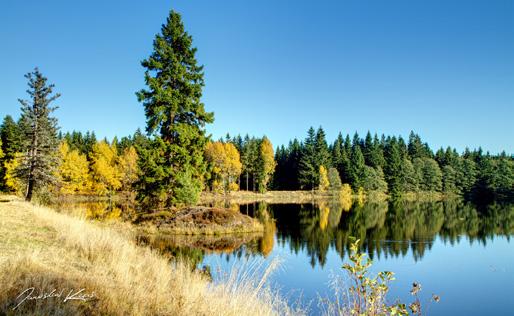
{"x":323,"y":179}
{"x":105,"y":171}
{"x":225,"y":165}
{"x":73,"y":172}
{"x":128,"y":168}
{"x":13,"y":183}
{"x":266,"y":164}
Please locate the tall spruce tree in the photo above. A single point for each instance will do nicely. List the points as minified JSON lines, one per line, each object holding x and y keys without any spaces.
{"x":367,"y":150}
{"x":176,"y":117}
{"x":377,"y":160}
{"x":309,"y":169}
{"x":394,"y":165}
{"x":323,"y":155}
{"x":357,"y":167}
{"x":39,"y":134}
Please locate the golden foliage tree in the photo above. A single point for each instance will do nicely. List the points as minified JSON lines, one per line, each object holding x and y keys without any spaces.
{"x":105,"y":171}
{"x":266,"y":163}
{"x":323,"y":179}
{"x":128,"y":168}
{"x":225,"y":164}
{"x":12,"y":182}
{"x":73,"y":171}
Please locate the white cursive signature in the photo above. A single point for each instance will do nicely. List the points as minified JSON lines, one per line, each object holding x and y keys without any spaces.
{"x":72,"y":295}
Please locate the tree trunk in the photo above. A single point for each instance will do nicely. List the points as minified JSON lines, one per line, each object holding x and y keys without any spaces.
{"x":30,"y":188}
{"x":32,"y":157}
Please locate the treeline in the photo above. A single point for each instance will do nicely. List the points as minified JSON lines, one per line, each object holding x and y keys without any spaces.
{"x":391,"y":164}
{"x":79,"y":164}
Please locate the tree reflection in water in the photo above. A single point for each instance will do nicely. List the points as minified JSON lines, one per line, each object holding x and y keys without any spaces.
{"x":386,"y":229}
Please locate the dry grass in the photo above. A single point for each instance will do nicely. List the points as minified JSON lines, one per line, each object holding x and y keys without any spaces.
{"x":48,"y":250}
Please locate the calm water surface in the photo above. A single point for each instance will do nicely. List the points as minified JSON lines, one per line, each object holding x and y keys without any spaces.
{"x":462,"y":253}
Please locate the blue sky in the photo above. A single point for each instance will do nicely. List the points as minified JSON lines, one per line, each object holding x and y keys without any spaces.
{"x":444,"y":68}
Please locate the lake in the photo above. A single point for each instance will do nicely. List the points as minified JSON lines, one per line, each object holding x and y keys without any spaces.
{"x":454,"y":249}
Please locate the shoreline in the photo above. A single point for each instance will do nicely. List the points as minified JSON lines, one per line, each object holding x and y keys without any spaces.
{"x":45,"y":249}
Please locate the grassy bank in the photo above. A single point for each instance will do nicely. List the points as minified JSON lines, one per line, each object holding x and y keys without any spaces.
{"x":47,"y":250}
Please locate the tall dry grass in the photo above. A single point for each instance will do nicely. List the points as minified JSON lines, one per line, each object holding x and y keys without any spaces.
{"x":126,"y":279}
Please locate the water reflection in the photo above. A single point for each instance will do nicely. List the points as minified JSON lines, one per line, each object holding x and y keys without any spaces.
{"x":386,"y":229}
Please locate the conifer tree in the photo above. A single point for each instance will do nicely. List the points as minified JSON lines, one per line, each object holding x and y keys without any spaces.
{"x":357,"y":167}
{"x":39,"y":135}
{"x":176,"y":116}
{"x":10,"y":135}
{"x":367,"y":150}
{"x":393,"y":170}
{"x":11,"y":142}
{"x":416,"y":148}
{"x":428,"y":174}
{"x":377,"y":160}
{"x":309,"y":169}
{"x":340,"y":158}
{"x":321,"y":148}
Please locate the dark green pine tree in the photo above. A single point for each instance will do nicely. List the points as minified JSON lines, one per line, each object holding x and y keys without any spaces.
{"x":393,"y":170}
{"x":415,"y":147}
{"x":11,"y":137}
{"x":357,"y":167}
{"x":337,"y":149}
{"x":340,"y":158}
{"x":39,"y":134}
{"x":176,"y":118}
{"x":293,"y":162}
{"x":348,"y":145}
{"x":11,"y":144}
{"x":356,"y":141}
{"x":322,"y":152}
{"x":367,"y":149}
{"x":308,"y":168}
{"x":377,"y":154}
{"x":280,"y":176}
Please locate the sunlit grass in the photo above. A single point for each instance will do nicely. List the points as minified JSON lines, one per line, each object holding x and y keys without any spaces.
{"x":126,"y":279}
